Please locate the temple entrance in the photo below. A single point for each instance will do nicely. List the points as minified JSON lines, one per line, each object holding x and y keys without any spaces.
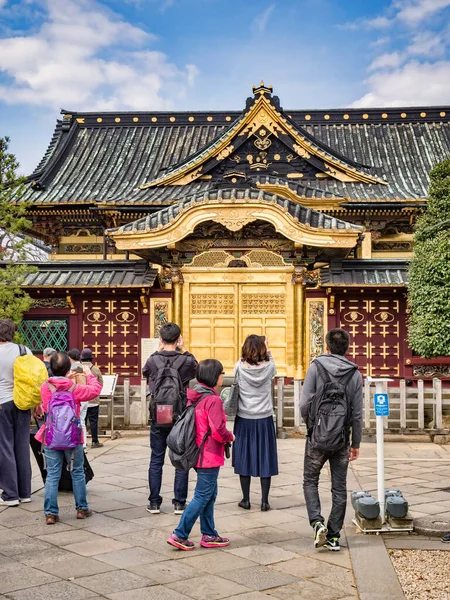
{"x":222,"y":316}
{"x":222,"y":306}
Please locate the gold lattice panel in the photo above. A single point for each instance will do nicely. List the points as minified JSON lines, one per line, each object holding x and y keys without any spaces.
{"x":265,"y":258}
{"x":212,"y":304}
{"x":263,"y":304}
{"x":211,"y":258}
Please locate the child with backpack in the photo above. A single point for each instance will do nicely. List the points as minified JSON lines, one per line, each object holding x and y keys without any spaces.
{"x":62,"y":435}
{"x":211,"y":436}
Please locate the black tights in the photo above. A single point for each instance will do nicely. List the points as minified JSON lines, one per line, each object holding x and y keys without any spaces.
{"x":265,"y":488}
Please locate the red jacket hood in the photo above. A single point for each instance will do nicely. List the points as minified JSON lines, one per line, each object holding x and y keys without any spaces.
{"x":61,"y":383}
{"x":194,"y":394}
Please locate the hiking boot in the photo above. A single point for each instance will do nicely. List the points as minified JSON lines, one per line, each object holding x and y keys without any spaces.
{"x":9,"y":502}
{"x":320,"y":534}
{"x":245,"y":505}
{"x":153,"y":509}
{"x":446,"y":538}
{"x":83,"y":513}
{"x":51,"y":519}
{"x":332,"y":544}
{"x":214,"y":541}
{"x":178,"y":508}
{"x":180,"y":543}
{"x":96,"y":445}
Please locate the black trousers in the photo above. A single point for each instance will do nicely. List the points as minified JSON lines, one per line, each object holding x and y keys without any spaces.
{"x":92,"y":415}
{"x":15,"y":464}
{"x":313,"y":463}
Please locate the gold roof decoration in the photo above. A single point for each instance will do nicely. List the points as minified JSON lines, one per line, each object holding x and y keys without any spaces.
{"x":263,"y":113}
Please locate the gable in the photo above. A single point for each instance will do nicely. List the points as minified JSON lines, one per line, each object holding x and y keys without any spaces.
{"x":264,"y":123}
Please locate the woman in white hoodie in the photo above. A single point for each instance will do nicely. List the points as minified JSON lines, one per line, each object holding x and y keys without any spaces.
{"x":255,"y":448}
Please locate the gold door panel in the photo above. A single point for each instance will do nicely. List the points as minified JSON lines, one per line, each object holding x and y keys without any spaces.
{"x":218,"y":316}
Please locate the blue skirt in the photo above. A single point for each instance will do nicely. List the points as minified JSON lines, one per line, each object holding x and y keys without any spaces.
{"x":255,"y":447}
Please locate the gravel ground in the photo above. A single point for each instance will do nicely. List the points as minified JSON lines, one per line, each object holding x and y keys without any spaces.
{"x":423,"y":574}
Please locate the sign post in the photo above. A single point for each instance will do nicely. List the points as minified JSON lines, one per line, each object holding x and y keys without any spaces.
{"x":381,"y":405}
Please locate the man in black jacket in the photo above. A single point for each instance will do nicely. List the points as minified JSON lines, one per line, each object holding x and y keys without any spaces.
{"x":337,"y":368}
{"x":171,"y":346}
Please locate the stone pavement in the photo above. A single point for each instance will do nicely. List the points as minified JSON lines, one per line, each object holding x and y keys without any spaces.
{"x":121,"y":552}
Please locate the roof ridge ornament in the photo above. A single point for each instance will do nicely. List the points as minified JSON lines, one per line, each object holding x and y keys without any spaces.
{"x":262,"y":90}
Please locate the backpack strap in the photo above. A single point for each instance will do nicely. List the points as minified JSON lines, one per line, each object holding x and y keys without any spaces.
{"x":22,"y":350}
{"x":322,"y":371}
{"x":51,"y":387}
{"x":72,"y":387}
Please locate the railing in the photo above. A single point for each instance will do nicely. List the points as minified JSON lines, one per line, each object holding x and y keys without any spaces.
{"x":424,"y":408}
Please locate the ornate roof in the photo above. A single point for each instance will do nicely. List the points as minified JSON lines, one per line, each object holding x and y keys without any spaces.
{"x":374,"y":272}
{"x":305,"y":216}
{"x":97,"y":274}
{"x":356,"y":154}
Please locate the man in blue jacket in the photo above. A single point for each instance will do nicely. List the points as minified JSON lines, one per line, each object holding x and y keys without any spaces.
{"x":337,"y":369}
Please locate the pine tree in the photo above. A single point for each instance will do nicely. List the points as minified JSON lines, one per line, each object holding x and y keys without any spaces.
{"x":14,"y":301}
{"x":429,"y":273}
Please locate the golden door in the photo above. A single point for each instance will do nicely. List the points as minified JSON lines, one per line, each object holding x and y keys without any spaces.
{"x":220,"y":317}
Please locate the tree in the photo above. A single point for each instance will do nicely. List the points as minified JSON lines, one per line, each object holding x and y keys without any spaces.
{"x":14,"y":301}
{"x":429,"y":273}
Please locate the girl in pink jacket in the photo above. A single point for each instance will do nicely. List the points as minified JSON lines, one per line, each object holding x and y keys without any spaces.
{"x":60,"y":366}
{"x":209,"y":416}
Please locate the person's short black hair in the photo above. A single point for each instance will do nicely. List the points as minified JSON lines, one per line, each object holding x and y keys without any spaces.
{"x":7,"y":330}
{"x":338,"y":341}
{"x":60,"y":364}
{"x":169,"y":333}
{"x":74,"y":354}
{"x":209,"y":371}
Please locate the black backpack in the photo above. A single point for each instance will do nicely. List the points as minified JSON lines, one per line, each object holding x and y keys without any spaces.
{"x":329,"y":413}
{"x":168,"y":400}
{"x":183,"y":449}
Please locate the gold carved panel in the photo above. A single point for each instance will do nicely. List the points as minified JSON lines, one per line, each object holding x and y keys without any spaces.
{"x":212,"y":304}
{"x":316,"y":327}
{"x":264,"y":304}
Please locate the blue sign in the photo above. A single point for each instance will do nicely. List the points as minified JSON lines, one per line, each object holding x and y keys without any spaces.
{"x":381,"y":405}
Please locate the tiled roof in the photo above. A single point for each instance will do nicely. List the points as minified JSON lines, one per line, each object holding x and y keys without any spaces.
{"x":307,"y":216}
{"x":105,"y":157}
{"x":81,"y":274}
{"x":371,"y":272}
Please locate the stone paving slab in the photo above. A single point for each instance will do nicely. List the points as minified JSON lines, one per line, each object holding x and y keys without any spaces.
{"x":63,"y":590}
{"x":208,"y":587}
{"x":121,"y":551}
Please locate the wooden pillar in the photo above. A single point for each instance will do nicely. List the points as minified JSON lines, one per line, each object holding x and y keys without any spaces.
{"x":298,"y":280}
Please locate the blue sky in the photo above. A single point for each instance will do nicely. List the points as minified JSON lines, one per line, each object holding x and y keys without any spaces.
{"x":206,"y":54}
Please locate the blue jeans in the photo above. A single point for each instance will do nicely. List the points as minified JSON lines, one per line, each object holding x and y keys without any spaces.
{"x":201,"y":505}
{"x":158,"y":445}
{"x":54,"y":460}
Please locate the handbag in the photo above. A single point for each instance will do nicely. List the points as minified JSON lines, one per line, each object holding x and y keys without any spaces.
{"x":231,"y":403}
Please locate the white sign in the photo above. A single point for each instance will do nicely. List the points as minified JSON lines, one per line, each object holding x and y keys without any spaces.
{"x":148,"y":346}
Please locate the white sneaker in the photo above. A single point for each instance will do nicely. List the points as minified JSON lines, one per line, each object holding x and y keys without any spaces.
{"x":24,"y":500}
{"x":9,"y":502}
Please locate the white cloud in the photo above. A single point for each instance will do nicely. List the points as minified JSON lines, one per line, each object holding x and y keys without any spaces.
{"x":380,"y":42}
{"x":86,"y":57}
{"x":261,"y":21}
{"x":414,"y":84}
{"x":413,"y":12}
{"x":429,"y":43}
{"x":385,"y":61}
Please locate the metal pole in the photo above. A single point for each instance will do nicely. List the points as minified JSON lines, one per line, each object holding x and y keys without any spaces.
{"x":379,"y":389}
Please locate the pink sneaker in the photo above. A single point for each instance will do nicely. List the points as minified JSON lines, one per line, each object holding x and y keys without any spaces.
{"x":209,"y":541}
{"x":180,"y":543}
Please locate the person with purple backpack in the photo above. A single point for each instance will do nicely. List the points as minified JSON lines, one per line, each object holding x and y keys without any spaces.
{"x":62,"y":434}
